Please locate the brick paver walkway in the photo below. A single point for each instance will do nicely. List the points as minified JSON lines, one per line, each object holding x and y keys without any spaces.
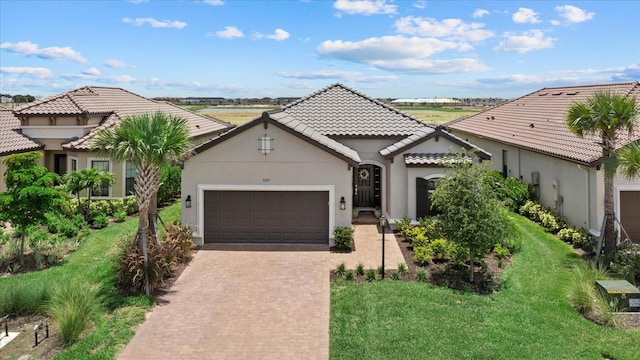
{"x":250,"y":304}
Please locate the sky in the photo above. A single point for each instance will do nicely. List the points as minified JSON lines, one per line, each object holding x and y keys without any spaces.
{"x":383,"y":48}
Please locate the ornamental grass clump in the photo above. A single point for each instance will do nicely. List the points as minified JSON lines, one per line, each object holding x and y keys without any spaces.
{"x":72,"y":306}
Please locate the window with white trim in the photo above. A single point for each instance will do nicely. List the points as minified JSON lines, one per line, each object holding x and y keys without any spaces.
{"x":102,"y":165}
{"x":130,"y":173}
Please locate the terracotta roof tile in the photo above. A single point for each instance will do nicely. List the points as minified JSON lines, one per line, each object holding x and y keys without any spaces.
{"x":12,"y":139}
{"x":116,"y":103}
{"x":536,"y":121}
{"x":340,"y":111}
{"x":431,"y":159}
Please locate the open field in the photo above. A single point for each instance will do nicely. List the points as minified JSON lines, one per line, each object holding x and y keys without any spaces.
{"x":239,"y":116}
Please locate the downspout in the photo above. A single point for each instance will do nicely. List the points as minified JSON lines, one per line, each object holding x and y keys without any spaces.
{"x":586,"y":178}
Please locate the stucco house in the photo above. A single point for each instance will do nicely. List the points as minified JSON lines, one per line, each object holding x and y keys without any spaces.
{"x":64,"y":125}
{"x":293,"y":174}
{"x":529,"y":140}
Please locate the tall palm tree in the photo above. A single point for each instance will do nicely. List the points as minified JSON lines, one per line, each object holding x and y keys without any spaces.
{"x":150,"y":141}
{"x":629,"y":160}
{"x":605,"y":114}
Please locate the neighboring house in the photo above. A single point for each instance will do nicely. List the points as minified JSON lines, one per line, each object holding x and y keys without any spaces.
{"x":293,"y":174}
{"x":529,"y":140}
{"x":63,"y":127}
{"x":12,"y":141}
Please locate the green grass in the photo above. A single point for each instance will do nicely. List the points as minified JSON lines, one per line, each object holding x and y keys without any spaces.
{"x":94,"y":264}
{"x":531,"y":318}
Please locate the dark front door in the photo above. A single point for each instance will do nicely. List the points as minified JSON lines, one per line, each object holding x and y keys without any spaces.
{"x":60,"y":166}
{"x":364,"y":191}
{"x":424,"y":189}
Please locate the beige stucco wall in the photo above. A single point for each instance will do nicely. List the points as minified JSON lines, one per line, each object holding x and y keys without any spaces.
{"x":293,"y":163}
{"x":581,"y":188}
{"x":403,"y":180}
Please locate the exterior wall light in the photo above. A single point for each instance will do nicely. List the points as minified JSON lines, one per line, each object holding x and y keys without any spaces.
{"x":187,"y":201}
{"x":343,"y":204}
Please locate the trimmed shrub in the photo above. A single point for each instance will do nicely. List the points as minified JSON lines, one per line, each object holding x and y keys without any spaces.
{"x":422,"y":254}
{"x":627,"y":262}
{"x":119,"y":216}
{"x":500,"y":251}
{"x":343,"y":237}
{"x":457,"y":253}
{"x":439,"y":249}
{"x":420,"y":240}
{"x":100,"y":221}
{"x":131,"y":206}
{"x":403,"y":224}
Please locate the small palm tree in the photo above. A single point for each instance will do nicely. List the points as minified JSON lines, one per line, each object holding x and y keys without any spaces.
{"x":91,"y":180}
{"x":629,"y":160}
{"x":150,"y":141}
{"x":605,"y":114}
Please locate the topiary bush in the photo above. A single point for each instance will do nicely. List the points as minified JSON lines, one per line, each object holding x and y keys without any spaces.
{"x":343,"y":237}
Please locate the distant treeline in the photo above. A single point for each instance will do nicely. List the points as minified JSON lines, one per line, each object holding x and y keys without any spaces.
{"x":20,"y":98}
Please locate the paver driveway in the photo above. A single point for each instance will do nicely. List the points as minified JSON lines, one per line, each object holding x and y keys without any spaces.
{"x":248,"y":304}
{"x":241,"y":305}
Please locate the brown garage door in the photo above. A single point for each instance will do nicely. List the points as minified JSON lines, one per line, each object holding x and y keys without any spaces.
{"x":289,"y":217}
{"x":630,"y":214}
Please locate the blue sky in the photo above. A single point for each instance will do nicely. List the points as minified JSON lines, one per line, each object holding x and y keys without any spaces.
{"x":292,"y":48}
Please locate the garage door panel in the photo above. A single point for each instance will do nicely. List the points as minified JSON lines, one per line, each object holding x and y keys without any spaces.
{"x":266,"y":217}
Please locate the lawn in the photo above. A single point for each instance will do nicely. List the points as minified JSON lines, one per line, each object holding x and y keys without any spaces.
{"x":530,"y":318}
{"x":94,"y":263}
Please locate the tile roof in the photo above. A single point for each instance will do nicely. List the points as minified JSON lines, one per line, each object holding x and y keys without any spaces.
{"x":290,"y":124}
{"x":114,"y":104}
{"x":536,"y":122}
{"x":431,"y":159}
{"x":338,"y":111}
{"x":12,"y":140}
{"x":423,"y":135}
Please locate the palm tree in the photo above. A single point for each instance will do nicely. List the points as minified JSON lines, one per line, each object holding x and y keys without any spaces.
{"x":91,"y":179}
{"x":629,"y":160}
{"x":605,"y":114}
{"x":150,"y":141}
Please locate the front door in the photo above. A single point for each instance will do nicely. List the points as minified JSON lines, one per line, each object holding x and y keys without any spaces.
{"x":60,"y":166}
{"x":364,"y":186}
{"x":424,"y":189}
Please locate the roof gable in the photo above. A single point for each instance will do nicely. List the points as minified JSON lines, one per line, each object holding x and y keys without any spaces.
{"x":115,"y":104}
{"x":536,"y":121}
{"x":422,"y":136}
{"x":339,"y":111}
{"x":13,"y":141}
{"x":293,"y":126}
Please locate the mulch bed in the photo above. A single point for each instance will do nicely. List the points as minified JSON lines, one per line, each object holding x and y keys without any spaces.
{"x":487,"y":279}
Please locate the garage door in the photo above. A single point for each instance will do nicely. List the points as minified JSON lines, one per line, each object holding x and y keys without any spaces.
{"x":288,"y":217}
{"x":630,"y":214}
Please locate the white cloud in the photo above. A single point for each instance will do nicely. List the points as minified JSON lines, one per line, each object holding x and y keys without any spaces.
{"x":117,"y":79}
{"x":229,"y":32}
{"x":428,"y":66}
{"x":480,"y":13}
{"x":420,"y":4}
{"x":277,"y":35}
{"x":365,"y":7}
{"x":336,"y":74}
{"x":28,"y":48}
{"x":573,"y":14}
{"x":116,"y":64}
{"x":214,"y":2}
{"x":34,"y":72}
{"x":525,"y":42}
{"x":92,"y":71}
{"x":155,"y":23}
{"x":447,"y":28}
{"x":525,"y":16}
{"x":384,"y":48}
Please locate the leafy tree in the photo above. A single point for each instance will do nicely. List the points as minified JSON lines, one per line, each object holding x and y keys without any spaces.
{"x":30,"y":194}
{"x":606,"y":115}
{"x":151,"y":142}
{"x":90,"y":179}
{"x":470,"y":214}
{"x":629,"y":160}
